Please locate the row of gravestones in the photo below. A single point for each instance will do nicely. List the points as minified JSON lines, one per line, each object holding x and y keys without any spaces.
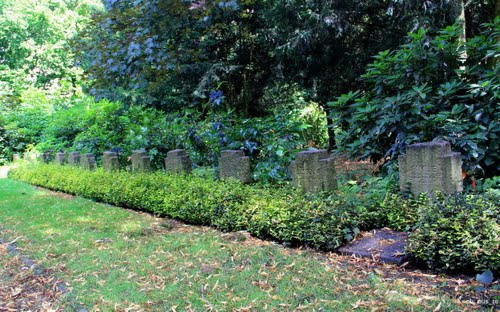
{"x":425,"y":168}
{"x":312,"y":170}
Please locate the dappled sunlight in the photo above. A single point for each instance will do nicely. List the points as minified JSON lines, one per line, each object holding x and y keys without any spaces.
{"x":130,"y":259}
{"x":130,"y":226}
{"x":51,"y":231}
{"x":85,"y":220}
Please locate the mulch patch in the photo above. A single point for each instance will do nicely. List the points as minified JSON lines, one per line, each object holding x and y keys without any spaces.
{"x":22,"y":288}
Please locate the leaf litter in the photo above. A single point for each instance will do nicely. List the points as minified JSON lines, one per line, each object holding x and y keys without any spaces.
{"x":24,"y":289}
{"x":373,"y":284}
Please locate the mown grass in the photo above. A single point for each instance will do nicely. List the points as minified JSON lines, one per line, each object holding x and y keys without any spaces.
{"x":116,"y":259}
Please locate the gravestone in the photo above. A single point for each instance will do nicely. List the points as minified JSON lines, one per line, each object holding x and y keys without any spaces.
{"x":430,"y":167}
{"x":16,"y":157}
{"x":87,"y":161}
{"x":44,"y":157}
{"x":60,"y":158}
{"x":177,"y":161}
{"x":140,"y":161}
{"x":313,"y":171}
{"x":234,"y":164}
{"x":110,"y":161}
{"x":30,"y":156}
{"x":352,"y":170}
{"x":74,"y":158}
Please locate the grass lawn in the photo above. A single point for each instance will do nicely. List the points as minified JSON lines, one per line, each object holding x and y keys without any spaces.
{"x":114,"y":259}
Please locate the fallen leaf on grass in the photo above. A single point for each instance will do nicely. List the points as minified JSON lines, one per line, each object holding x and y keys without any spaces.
{"x":16,"y":291}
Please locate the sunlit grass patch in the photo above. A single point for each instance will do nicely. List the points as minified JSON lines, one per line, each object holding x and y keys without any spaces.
{"x":117,"y":259}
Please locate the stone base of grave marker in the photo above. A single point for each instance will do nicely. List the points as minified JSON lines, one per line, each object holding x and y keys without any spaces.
{"x":44,"y":158}
{"x":60,"y":158}
{"x":87,"y":161}
{"x":30,"y":156}
{"x":145,"y":164}
{"x":74,"y":158}
{"x":177,"y":161}
{"x":140,"y":161}
{"x":110,"y":161}
{"x":430,"y":167}
{"x":234,"y":164}
{"x":314,"y":171}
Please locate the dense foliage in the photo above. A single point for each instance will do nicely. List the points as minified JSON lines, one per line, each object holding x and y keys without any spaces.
{"x":450,"y":233}
{"x":255,"y":75}
{"x":35,"y":47}
{"x":38,"y":72}
{"x":173,"y":54}
{"x":323,"y":221}
{"x":433,"y":87}
{"x":90,"y":127}
{"x":456,"y":232}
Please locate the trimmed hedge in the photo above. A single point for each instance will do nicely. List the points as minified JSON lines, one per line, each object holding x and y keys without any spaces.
{"x":449,"y":233}
{"x":455,"y":232}
{"x":323,"y":221}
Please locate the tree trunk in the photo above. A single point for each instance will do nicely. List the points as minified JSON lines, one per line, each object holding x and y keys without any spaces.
{"x":462,"y":21}
{"x":332,"y":144}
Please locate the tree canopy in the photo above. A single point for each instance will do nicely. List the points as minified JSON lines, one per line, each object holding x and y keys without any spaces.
{"x":35,"y":45}
{"x":173,"y":54}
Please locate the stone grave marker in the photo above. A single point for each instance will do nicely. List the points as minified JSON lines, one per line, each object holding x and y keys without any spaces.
{"x":313,"y":171}
{"x":74,"y":158}
{"x":16,"y":157}
{"x":140,"y":161}
{"x":87,"y":161}
{"x":234,"y":164}
{"x":30,"y":156}
{"x":44,"y":157}
{"x":347,"y":169}
{"x":177,"y":161}
{"x":430,"y":167}
{"x":60,"y":158}
{"x":110,"y":161}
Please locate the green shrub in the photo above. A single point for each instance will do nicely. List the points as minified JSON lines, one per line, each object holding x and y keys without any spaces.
{"x":271,"y":142}
{"x":458,"y":232}
{"x":367,"y":199}
{"x":401,"y":212}
{"x":427,"y":90}
{"x":450,"y":233}
{"x":322,"y":221}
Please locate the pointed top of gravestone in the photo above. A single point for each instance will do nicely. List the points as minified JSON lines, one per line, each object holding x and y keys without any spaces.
{"x":434,"y":144}
{"x":234,"y":164}
{"x":176,"y":153}
{"x":232,"y":153}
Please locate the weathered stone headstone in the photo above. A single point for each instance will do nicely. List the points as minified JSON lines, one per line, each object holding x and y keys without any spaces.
{"x":430,"y":167}
{"x":110,"y":161}
{"x":60,"y":158}
{"x":314,"y":171}
{"x":346,"y":169}
{"x":177,"y":161}
{"x":44,"y":157}
{"x":74,"y":158}
{"x":16,"y":157}
{"x":87,"y":161}
{"x":140,"y":161}
{"x":234,"y":164}
{"x":30,"y":156}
